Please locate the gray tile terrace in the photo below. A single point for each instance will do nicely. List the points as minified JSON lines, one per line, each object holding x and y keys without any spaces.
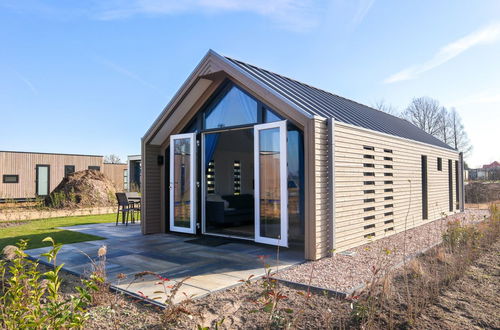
{"x":213,"y":265}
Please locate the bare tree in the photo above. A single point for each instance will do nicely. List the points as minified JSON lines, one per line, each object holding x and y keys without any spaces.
{"x":459,"y":139}
{"x":386,"y":107}
{"x":445,"y":131}
{"x":423,"y":112}
{"x":112,"y":159}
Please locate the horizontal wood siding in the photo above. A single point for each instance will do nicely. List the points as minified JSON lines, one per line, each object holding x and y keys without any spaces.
{"x":115,"y":173}
{"x":358,"y":212}
{"x":321,"y":207}
{"x":24,"y":164}
{"x":151,"y":190}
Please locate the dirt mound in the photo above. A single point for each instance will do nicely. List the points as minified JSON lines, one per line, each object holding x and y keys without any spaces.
{"x":87,"y":188}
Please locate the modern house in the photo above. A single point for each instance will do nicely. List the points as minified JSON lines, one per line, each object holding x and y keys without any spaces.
{"x":27,"y":175}
{"x":487,"y":172}
{"x":246,"y":153}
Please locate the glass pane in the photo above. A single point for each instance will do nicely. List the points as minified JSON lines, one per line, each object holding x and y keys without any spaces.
{"x":43,"y":181}
{"x":235,"y":108}
{"x":295,"y":185}
{"x":182,"y":183}
{"x":269,"y":172}
{"x":271,"y":117}
{"x":229,"y":181}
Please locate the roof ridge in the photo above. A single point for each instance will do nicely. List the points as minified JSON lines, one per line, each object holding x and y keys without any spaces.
{"x":314,"y":87}
{"x":353,"y":112}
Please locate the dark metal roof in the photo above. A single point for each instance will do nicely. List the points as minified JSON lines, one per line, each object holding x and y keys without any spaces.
{"x":319,"y":102}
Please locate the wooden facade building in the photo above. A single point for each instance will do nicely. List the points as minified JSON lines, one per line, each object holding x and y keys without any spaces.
{"x":27,"y":175}
{"x":341,"y":173}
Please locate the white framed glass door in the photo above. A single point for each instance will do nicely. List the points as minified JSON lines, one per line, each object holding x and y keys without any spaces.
{"x":271,"y":197}
{"x":42,"y":180}
{"x":183,"y":183}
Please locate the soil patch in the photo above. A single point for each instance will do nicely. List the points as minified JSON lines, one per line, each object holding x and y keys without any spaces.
{"x":88,"y":188}
{"x":471,"y":302}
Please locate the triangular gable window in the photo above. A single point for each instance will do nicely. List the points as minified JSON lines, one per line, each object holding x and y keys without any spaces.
{"x":234,"y":108}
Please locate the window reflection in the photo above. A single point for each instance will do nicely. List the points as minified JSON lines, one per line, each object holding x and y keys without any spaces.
{"x":235,"y":108}
{"x":269,"y":171}
{"x":182,"y":188}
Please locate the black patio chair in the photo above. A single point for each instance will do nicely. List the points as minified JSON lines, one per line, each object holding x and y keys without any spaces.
{"x":134,"y":200}
{"x":125,"y":207}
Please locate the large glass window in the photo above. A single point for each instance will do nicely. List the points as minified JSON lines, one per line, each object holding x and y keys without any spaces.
{"x":233,"y":109}
{"x":270,"y":116}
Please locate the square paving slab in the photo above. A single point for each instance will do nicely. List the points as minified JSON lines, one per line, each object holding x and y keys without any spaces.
{"x":202,"y":268}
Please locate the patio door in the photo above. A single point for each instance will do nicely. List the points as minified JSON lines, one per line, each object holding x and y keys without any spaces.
{"x":183,"y":183}
{"x":271,"y":198}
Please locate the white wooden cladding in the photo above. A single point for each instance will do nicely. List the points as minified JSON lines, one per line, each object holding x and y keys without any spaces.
{"x":404,"y":178}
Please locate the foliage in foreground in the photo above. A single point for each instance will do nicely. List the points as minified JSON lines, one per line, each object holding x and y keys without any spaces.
{"x":30,"y":299}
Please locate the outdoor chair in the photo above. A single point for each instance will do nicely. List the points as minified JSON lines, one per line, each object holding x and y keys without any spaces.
{"x":134,"y":200}
{"x":126,"y":208}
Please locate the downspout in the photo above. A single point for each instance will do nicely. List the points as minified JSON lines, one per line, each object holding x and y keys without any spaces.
{"x":331,"y":185}
{"x":461,"y":178}
{"x":143,"y":186}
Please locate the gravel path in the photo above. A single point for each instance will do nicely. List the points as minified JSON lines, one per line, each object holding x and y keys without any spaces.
{"x":344,"y":273}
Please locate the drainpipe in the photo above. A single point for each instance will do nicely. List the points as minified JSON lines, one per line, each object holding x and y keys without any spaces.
{"x":461,"y":178}
{"x":331,"y":184}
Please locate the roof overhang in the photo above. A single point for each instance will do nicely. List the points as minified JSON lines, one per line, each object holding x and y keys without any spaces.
{"x":212,"y":69}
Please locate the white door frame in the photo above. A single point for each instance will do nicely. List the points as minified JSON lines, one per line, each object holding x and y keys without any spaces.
{"x":192,"y":182}
{"x":283,"y":240}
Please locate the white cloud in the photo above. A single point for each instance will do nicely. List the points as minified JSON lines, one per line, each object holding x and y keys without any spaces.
{"x":121,"y":70}
{"x":364,"y":7}
{"x":486,"y":35}
{"x":290,"y":14}
{"x":28,"y":83}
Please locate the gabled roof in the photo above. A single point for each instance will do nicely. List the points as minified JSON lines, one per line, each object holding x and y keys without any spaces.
{"x":492,"y":165}
{"x":319,"y":102}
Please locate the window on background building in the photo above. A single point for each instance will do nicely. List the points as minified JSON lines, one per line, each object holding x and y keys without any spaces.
{"x":125,"y":179}
{"x":68,"y":169}
{"x":440,"y":164}
{"x":10,"y":178}
{"x":95,"y":168}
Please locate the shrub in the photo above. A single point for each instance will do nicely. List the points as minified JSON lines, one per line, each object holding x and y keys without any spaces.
{"x":32,"y":299}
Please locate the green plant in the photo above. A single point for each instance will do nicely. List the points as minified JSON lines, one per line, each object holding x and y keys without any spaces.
{"x":216,"y":326}
{"x":31,"y":299}
{"x":72,"y":196}
{"x":458,"y":236}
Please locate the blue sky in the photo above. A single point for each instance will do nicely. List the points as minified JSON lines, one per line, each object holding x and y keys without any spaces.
{"x":90,"y":76}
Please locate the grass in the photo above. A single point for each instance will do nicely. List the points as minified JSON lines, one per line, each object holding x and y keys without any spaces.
{"x":36,"y":230}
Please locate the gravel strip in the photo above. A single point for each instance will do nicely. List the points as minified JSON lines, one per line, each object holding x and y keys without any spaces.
{"x":344,"y":273}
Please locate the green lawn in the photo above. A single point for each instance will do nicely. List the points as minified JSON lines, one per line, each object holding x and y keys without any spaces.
{"x":37,"y":230}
